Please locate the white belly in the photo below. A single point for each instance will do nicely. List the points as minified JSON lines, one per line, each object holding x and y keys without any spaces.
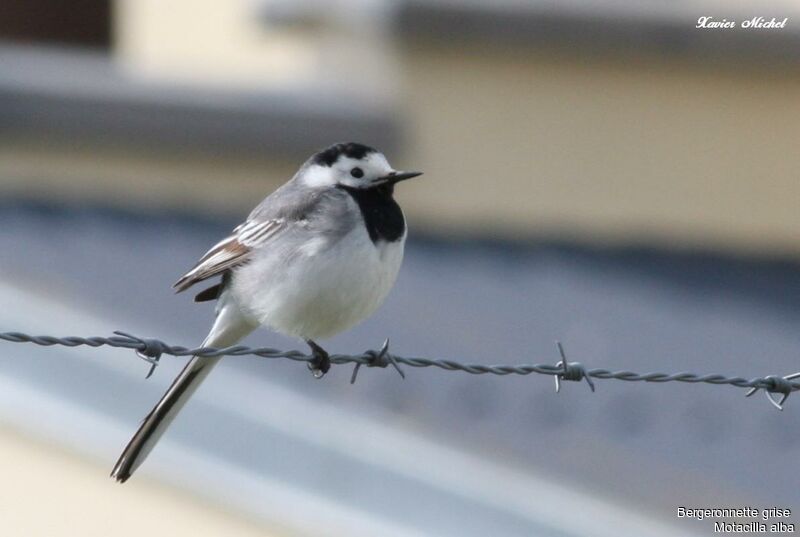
{"x":323,"y":289}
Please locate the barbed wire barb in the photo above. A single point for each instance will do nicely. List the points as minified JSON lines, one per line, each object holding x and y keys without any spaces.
{"x":382,"y":358}
{"x":151,"y":351}
{"x":570,"y":370}
{"x":780,"y":385}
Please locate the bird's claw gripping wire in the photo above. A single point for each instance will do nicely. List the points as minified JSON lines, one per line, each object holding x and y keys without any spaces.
{"x":778,"y":384}
{"x":320,"y":362}
{"x":570,"y":370}
{"x":381,"y":358}
{"x":149,"y":350}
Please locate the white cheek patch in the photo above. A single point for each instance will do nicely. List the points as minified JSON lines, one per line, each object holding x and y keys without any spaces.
{"x":319,"y":176}
{"x":373,"y":165}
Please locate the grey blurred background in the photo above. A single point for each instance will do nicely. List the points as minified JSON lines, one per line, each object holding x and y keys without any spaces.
{"x":596,"y":172}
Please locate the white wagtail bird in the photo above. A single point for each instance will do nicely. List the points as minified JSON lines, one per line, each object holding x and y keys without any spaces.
{"x":316,"y":257}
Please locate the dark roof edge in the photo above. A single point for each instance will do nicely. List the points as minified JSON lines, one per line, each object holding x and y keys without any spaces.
{"x":80,"y":96}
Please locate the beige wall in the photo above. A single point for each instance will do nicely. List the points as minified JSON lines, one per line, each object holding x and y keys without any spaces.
{"x":224,"y":43}
{"x":50,"y":492}
{"x":536,"y":142}
{"x":196,"y":40}
{"x":129,"y":178}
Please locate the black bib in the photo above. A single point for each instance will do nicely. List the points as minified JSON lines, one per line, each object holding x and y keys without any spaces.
{"x":382,"y":215}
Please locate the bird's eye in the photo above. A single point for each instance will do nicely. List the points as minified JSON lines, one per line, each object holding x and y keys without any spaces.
{"x":357,"y":173}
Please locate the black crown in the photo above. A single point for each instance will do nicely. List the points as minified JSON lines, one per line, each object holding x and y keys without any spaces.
{"x":353,"y":150}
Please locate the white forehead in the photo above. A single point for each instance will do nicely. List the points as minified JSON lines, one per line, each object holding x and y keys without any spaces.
{"x":373,"y":165}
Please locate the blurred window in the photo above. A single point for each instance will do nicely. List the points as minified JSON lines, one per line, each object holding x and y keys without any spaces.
{"x":77,"y":22}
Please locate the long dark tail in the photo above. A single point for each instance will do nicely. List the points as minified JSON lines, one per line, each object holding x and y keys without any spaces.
{"x":228,"y":329}
{"x":157,"y":421}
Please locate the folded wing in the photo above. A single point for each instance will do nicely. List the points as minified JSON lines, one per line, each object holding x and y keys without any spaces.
{"x":231,"y":251}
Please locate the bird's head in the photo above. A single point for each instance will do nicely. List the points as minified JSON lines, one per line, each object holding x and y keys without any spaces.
{"x":351,"y":165}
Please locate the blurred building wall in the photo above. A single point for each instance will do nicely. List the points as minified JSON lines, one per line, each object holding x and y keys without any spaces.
{"x":537,"y":142}
{"x":518,"y":138}
{"x":166,"y":41}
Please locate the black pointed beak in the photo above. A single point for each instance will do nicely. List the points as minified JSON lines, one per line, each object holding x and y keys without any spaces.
{"x":396,"y":177}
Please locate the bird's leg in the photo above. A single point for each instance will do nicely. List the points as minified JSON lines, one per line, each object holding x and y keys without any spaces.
{"x":321,"y":362}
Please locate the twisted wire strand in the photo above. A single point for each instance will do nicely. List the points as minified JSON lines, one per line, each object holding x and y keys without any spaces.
{"x":152,"y":349}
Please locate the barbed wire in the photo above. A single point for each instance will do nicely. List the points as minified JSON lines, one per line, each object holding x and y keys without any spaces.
{"x":151,"y":351}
